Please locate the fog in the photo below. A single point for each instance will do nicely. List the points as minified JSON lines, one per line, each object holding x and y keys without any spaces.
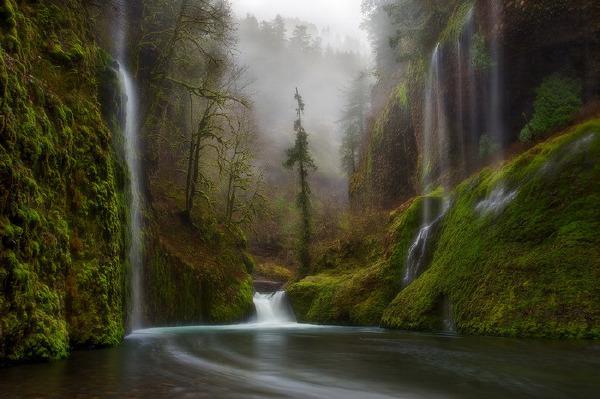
{"x":321,"y":64}
{"x":342,"y":17}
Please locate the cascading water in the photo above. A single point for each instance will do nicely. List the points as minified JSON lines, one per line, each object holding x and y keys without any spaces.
{"x":135,"y":219}
{"x":418,"y":251}
{"x":273,"y":308}
{"x":129,"y":94}
{"x":466,"y":89}
{"x":494,"y":121}
{"x":440,"y":154}
{"x":497,"y":200}
{"x":435,"y":126}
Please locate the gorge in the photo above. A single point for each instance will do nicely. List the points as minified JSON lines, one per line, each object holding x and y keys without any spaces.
{"x":265,"y":199}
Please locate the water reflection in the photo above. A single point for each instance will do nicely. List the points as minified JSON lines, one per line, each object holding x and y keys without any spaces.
{"x":298,"y":361}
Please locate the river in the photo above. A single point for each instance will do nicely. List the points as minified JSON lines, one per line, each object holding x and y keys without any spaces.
{"x":278,"y":358}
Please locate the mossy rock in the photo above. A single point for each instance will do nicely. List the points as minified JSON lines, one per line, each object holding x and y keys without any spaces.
{"x":529,"y":267}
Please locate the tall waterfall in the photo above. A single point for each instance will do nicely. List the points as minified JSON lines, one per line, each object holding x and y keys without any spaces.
{"x":436,"y":143}
{"x":130,"y":98}
{"x":273,"y":308}
{"x":494,"y":121}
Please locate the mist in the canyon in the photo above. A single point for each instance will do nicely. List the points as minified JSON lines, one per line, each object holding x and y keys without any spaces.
{"x":287,"y":45}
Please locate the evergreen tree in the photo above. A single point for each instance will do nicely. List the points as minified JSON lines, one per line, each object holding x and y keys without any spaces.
{"x":279,"y":28}
{"x":299,"y":157}
{"x":301,"y":40}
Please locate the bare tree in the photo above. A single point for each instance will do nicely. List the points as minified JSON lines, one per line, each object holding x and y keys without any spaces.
{"x":243,"y":196}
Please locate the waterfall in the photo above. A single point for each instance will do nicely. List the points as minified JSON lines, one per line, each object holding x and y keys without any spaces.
{"x":135,"y":216}
{"x":435,"y":125}
{"x":436,"y":158}
{"x":481,"y":109}
{"x":496,"y":201}
{"x":129,"y":94}
{"x":273,"y":308}
{"x":418,"y":251}
{"x":494,"y":121}
{"x":467,"y":110}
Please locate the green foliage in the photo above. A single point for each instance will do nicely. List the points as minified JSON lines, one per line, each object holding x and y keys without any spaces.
{"x":272,"y":271}
{"x":557,"y":100}
{"x":456,"y":22}
{"x":480,"y":54}
{"x":249,"y":263}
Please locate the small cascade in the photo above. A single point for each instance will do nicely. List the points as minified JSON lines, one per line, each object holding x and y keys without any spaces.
{"x":496,"y":201}
{"x":418,"y":251}
{"x":273,"y":308}
{"x":131,"y":132}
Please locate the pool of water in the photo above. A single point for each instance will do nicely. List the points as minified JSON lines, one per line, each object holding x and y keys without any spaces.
{"x":301,"y":361}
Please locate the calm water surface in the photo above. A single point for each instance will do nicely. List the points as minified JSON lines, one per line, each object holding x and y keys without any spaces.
{"x":299,"y":361}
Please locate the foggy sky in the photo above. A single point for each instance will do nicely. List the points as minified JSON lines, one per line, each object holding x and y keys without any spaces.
{"x":342,"y":16}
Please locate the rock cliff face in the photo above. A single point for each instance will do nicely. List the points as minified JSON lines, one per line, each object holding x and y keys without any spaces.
{"x":387,"y":172}
{"x":492,"y":56}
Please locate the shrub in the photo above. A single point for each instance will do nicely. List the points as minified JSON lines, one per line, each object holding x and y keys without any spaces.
{"x":557,"y":99}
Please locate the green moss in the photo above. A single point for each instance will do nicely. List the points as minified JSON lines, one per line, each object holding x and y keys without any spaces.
{"x":61,"y":215}
{"x":357,"y":298}
{"x":456,"y":23}
{"x":557,"y":101}
{"x":232,"y":304}
{"x":405,"y":225}
{"x":8,"y":21}
{"x":249,"y":262}
{"x":530,"y":269}
{"x":273,"y":272}
{"x":186,"y":290}
{"x":352,"y":286}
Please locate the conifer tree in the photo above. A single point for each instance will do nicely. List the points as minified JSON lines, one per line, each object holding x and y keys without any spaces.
{"x":299,"y":157}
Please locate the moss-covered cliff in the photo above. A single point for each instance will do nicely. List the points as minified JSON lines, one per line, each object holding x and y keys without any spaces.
{"x":517,"y":254}
{"x":61,"y":189}
{"x":64,"y":189}
{"x":193,"y":274}
{"x":481,"y":43}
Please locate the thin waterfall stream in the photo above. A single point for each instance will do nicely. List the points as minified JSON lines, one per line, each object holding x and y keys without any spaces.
{"x":132,"y":157}
{"x":135,"y":221}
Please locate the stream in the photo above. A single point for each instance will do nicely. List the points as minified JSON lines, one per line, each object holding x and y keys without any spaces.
{"x":275,"y":357}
